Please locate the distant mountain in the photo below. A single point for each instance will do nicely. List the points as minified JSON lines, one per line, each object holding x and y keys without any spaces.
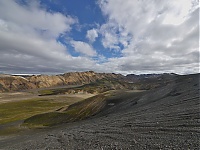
{"x":16,"y":82}
{"x":136,"y":78}
{"x":24,"y":82}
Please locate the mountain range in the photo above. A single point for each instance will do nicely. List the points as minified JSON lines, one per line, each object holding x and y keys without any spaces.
{"x":10,"y":83}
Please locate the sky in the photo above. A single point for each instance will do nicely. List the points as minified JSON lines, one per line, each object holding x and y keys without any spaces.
{"x":118,"y":36}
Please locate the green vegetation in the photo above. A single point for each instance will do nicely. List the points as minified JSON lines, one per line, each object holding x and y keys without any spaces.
{"x":74,"y":112}
{"x":13,"y":111}
{"x":53,"y":91}
{"x":46,"y":92}
{"x":80,"y":110}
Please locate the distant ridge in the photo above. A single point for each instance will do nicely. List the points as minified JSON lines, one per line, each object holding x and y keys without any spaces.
{"x":23,"y":82}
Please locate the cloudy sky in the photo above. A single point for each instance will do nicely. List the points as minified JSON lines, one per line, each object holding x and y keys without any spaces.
{"x":121,"y":36}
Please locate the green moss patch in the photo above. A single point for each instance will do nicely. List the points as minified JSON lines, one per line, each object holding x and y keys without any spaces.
{"x":21,"y":110}
{"x":74,"y":112}
{"x":80,"y":110}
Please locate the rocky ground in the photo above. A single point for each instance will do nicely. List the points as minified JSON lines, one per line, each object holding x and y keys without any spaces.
{"x":165,"y":118}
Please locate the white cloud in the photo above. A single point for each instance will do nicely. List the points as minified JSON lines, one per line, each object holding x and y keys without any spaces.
{"x":92,"y":35}
{"x":154,"y":40}
{"x":28,"y":40}
{"x":179,"y":11}
{"x":31,"y":30}
{"x":83,"y":48}
{"x":113,"y":35}
{"x":110,"y":41}
{"x":34,"y":17}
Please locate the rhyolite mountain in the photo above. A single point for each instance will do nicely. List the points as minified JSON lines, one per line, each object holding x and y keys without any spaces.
{"x":17,"y":83}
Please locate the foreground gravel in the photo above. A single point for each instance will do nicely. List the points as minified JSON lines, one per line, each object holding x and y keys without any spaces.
{"x":166,"y":118}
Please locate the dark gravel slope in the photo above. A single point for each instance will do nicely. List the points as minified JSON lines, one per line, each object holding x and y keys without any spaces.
{"x":166,"y":118}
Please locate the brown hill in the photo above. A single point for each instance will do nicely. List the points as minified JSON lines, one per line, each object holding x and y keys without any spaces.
{"x":17,"y":83}
{"x":14,"y":83}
